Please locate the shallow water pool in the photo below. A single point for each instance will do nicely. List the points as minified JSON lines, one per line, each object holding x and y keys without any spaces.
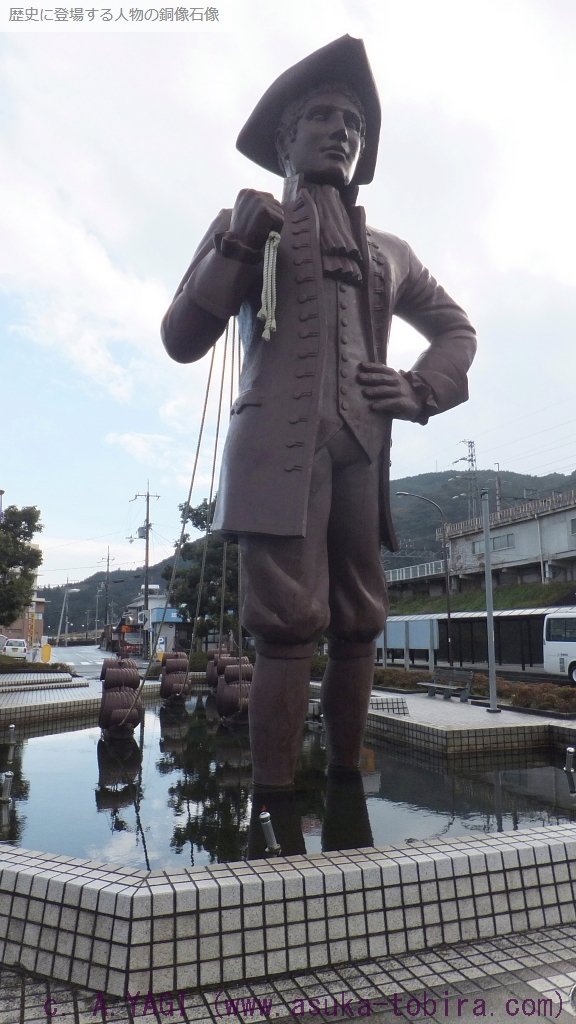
{"x":179,"y":794}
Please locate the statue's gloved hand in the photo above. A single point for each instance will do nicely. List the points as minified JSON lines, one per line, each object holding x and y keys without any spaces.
{"x":388,"y":391}
{"x":254,"y":216}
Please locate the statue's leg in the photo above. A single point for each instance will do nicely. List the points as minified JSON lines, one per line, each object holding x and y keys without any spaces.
{"x":277,"y":712}
{"x":284,"y":604}
{"x":345,"y":697}
{"x":358,"y":601}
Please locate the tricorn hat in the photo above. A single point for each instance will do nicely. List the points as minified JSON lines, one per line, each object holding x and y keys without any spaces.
{"x":344,"y":60}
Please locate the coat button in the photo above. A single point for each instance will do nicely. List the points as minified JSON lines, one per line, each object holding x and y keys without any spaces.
{"x":343,"y":373}
{"x":343,"y":389}
{"x":344,"y":405}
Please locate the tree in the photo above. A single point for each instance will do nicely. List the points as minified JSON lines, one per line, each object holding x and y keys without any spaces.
{"x":187,"y":580}
{"x":19,"y":559}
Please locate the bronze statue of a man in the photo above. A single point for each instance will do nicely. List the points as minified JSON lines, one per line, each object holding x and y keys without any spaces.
{"x":305,"y":475}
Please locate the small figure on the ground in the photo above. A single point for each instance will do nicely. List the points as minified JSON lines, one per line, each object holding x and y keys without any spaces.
{"x":304,"y":482}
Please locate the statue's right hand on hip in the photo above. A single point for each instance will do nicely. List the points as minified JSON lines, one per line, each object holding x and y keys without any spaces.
{"x":254,"y":216}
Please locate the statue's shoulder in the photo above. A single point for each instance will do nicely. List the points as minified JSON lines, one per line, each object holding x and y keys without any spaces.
{"x":395,"y":249}
{"x":389,"y":243}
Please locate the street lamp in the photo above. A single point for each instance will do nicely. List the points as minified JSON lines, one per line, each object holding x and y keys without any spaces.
{"x":68,"y":590}
{"x":410,"y":494}
{"x":99,"y":590}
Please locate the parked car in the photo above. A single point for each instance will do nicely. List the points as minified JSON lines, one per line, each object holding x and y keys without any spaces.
{"x":15,"y":648}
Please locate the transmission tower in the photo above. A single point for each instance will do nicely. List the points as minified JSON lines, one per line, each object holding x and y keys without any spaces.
{"x":471,"y":479}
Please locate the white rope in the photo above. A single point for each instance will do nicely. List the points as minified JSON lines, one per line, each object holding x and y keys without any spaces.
{"x":268,"y":310}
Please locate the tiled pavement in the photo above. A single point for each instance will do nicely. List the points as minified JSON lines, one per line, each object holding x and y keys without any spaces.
{"x":521,"y":976}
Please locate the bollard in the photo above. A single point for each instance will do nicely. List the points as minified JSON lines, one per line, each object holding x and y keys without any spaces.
{"x":6,"y":787}
{"x":272,"y":847}
{"x":11,"y":743}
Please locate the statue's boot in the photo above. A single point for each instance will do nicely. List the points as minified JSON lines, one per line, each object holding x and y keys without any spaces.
{"x":345,"y":698}
{"x":284,"y":814}
{"x":277,"y":712}
{"x":346,"y":825}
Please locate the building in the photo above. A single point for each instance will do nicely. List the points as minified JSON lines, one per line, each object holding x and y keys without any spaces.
{"x":29,"y":626}
{"x":533,"y":542}
{"x":156,"y":623}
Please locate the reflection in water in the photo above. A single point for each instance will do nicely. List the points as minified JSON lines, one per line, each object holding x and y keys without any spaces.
{"x":209,"y":794}
{"x":119,"y":764}
{"x":346,"y":823}
{"x":285,"y":817}
{"x":185,"y":795}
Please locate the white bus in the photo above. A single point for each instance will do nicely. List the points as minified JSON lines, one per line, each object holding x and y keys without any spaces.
{"x":560,"y":644}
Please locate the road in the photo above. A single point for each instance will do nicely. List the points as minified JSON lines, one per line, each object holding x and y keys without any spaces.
{"x":87,"y":661}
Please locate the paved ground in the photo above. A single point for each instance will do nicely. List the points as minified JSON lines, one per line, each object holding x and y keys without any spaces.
{"x":522,"y":977}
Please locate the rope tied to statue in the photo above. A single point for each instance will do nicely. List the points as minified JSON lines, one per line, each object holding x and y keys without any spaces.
{"x":268,"y":309}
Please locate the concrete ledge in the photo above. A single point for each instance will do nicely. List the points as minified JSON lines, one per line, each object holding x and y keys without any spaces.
{"x":15,"y":681}
{"x":114,"y":930}
{"x":53,"y":706}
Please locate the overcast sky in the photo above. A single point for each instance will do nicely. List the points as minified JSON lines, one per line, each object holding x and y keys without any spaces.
{"x":118,"y":148}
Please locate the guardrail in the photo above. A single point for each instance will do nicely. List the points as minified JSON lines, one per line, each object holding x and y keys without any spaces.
{"x":413,"y":572}
{"x":527,"y":510}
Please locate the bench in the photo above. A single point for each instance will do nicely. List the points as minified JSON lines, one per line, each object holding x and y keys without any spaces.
{"x":450,"y":682}
{"x":393,"y":705}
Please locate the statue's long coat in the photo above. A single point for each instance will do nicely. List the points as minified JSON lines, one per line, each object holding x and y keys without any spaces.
{"x":271,"y":441}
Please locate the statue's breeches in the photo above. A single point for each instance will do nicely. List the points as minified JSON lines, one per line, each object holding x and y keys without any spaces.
{"x":295,"y":589}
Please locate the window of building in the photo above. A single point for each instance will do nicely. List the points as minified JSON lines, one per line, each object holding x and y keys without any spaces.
{"x":573,"y":526}
{"x":500,"y":542}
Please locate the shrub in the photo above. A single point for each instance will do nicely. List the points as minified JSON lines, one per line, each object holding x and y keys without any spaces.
{"x":481,"y":686}
{"x":399,"y":678}
{"x":318,"y":666}
{"x":542,"y":697}
{"x":8,"y":665}
{"x":539,"y":696}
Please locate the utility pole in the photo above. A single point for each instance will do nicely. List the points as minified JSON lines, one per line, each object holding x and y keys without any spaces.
{"x":498,"y":488}
{"x":145,"y":532}
{"x":107,"y":587}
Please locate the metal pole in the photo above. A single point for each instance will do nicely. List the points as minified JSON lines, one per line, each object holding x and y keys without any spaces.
{"x":62,"y":615}
{"x":107,"y":588}
{"x":146,"y":575}
{"x":447,"y":583}
{"x":493,"y":709}
{"x":542,"y":573}
{"x":411,"y":494}
{"x":66,"y":623}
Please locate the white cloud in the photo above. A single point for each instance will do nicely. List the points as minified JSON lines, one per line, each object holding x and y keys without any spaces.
{"x":118,"y":151}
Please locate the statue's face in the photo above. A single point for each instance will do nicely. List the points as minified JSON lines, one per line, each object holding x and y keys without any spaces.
{"x":327,"y":143}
